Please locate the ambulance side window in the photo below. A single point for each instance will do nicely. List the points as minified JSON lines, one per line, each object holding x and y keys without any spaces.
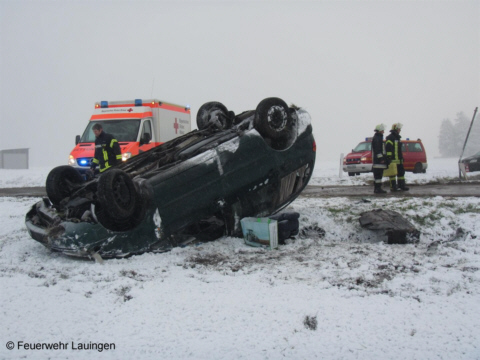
{"x":147,"y":129}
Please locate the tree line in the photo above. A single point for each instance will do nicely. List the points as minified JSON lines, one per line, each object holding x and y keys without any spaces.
{"x":453,"y":133}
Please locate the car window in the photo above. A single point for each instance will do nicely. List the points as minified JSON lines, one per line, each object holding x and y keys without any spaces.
{"x":122,"y":130}
{"x":415,"y":147}
{"x":147,"y":129}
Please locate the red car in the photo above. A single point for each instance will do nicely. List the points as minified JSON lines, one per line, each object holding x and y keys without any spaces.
{"x":360,"y":159}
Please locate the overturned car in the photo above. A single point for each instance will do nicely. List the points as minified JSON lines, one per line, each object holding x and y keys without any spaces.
{"x":194,"y":187}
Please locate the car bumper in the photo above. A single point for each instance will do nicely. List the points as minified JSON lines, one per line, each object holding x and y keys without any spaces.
{"x":471,"y":167}
{"x":357,"y":168}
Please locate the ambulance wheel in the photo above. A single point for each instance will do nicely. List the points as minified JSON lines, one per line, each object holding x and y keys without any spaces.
{"x":275,"y":122}
{"x":117,"y":199}
{"x":214,"y":114}
{"x":61,"y":182}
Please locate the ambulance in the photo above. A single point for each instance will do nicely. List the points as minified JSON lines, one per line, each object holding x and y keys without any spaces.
{"x":138,"y":125}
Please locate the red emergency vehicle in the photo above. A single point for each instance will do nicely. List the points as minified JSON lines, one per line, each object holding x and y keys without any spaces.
{"x":360,"y":159}
{"x":138,"y":125}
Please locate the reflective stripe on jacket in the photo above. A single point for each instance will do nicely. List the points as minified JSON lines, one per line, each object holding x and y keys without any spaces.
{"x":393,"y":146}
{"x":107,"y":151}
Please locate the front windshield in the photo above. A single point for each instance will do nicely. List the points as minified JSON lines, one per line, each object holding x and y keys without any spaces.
{"x":122,"y":130}
{"x":363,"y":146}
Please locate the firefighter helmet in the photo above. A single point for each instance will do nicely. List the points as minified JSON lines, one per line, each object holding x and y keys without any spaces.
{"x":380,"y":127}
{"x":397,"y":126}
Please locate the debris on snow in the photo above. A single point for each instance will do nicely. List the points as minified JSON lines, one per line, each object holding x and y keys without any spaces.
{"x":395,"y":226}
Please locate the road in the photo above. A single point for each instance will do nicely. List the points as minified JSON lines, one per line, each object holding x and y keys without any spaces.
{"x":427,"y":190}
{"x":447,"y":190}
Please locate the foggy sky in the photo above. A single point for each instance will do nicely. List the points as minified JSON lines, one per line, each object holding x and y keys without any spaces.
{"x":351,"y":64}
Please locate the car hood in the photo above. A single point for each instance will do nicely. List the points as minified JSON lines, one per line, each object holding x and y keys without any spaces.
{"x":357,"y":154}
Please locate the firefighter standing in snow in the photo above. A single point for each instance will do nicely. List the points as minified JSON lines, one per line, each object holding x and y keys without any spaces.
{"x":379,"y":157}
{"x":394,"y":154}
{"x":107,"y":150}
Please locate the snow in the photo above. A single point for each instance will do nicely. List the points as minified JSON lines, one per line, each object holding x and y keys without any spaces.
{"x":347,"y":295}
{"x":304,"y":120}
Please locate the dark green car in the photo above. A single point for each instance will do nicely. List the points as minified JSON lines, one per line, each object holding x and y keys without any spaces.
{"x":194,"y":188}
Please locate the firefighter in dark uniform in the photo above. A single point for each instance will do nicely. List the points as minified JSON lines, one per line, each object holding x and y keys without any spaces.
{"x":107,"y":150}
{"x":379,"y":157}
{"x":394,"y":154}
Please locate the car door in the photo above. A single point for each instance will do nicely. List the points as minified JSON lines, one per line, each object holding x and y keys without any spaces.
{"x":415,"y":155}
{"x":146,"y":139}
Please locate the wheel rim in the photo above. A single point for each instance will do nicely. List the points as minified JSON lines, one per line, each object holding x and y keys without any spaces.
{"x":277,"y":118}
{"x":121,"y":193}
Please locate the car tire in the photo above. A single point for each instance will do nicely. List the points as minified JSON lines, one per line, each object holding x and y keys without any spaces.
{"x":116,"y":197}
{"x":60,"y":183}
{"x":351,"y":174}
{"x":214,"y":114}
{"x":418,"y":168}
{"x":121,"y":225}
{"x":275,"y":122}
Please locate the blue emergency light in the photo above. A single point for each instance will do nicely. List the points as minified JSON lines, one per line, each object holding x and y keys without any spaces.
{"x":104,"y":104}
{"x":138,"y":102}
{"x":83,"y":162}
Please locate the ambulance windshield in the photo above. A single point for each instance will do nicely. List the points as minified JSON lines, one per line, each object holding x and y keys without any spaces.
{"x":122,"y":130}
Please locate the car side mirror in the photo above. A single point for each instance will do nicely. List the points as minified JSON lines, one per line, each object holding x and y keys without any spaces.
{"x":77,"y":139}
{"x":145,"y":139}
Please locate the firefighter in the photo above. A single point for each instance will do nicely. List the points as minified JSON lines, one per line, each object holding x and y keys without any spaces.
{"x":379,"y":157}
{"x":394,"y":154}
{"x":107,"y":150}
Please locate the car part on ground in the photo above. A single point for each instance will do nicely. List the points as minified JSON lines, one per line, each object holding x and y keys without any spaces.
{"x":194,"y":187}
{"x":390,"y":223}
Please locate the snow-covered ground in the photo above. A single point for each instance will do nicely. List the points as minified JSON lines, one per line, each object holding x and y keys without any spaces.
{"x":344,"y":295}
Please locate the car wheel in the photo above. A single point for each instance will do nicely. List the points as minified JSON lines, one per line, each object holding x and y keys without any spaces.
{"x":351,"y":174}
{"x":275,"y":122}
{"x":418,"y":168}
{"x":116,"y":196}
{"x":115,"y":224}
{"x":61,"y":181}
{"x":214,"y":114}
